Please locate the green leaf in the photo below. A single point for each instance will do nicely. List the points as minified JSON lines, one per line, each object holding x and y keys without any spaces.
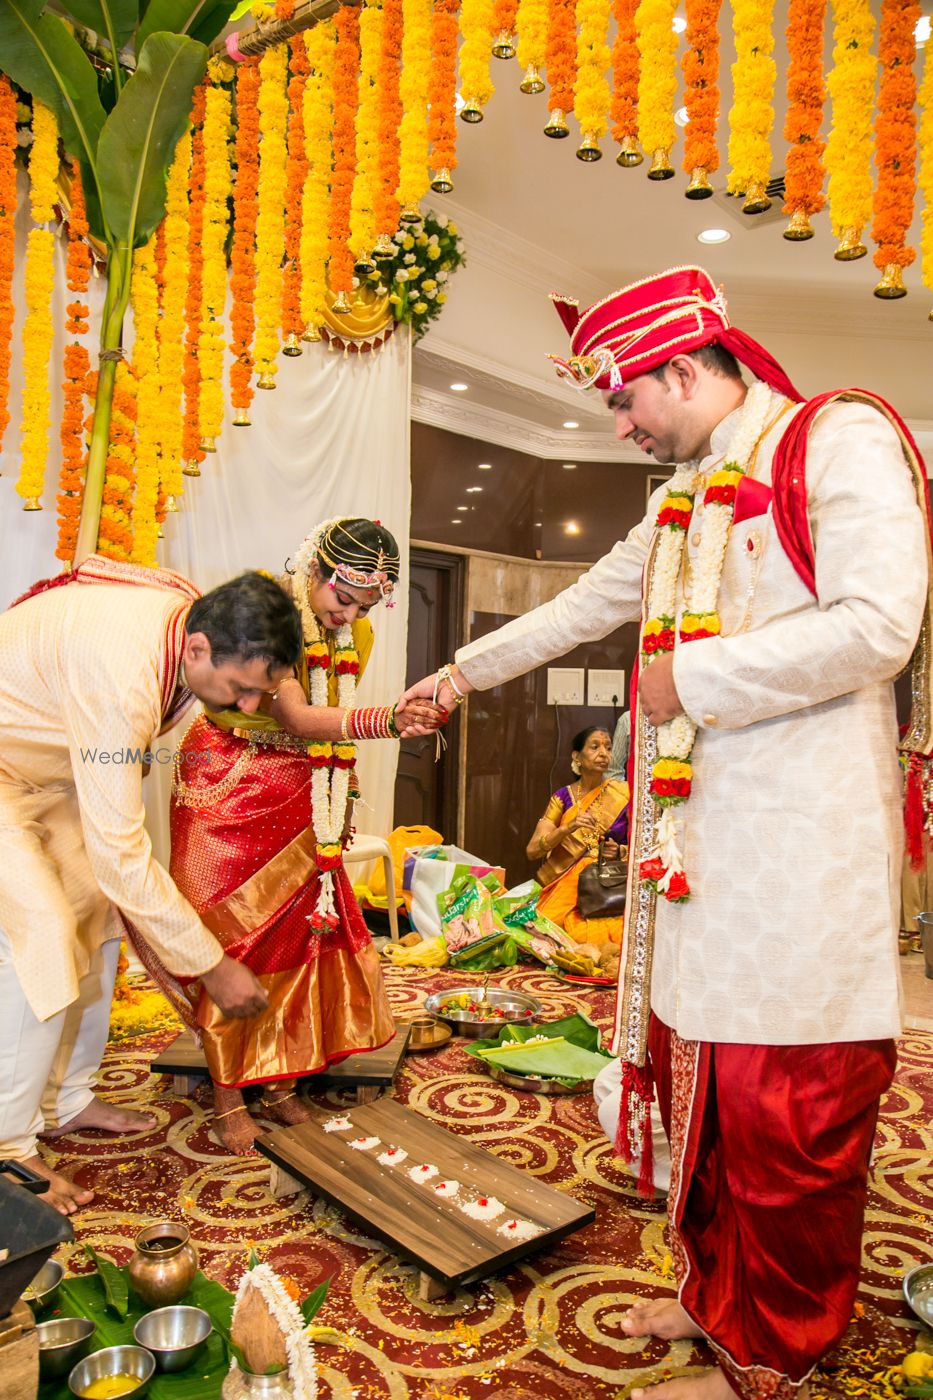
{"x":113,"y":20}
{"x":312,"y":1304}
{"x":139,"y":137}
{"x":115,"y":1281}
{"x":200,"y":19}
{"x":243,"y":8}
{"x":43,"y":57}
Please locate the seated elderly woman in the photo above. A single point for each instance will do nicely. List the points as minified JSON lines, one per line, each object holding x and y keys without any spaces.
{"x":577,"y":818}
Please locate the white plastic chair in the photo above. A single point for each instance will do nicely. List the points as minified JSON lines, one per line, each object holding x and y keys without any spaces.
{"x":370,"y":848}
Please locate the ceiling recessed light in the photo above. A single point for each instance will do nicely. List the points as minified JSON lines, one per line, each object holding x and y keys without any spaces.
{"x":471,"y":489}
{"x":571,"y":423}
{"x":485,"y":466}
{"x":678,"y":24}
{"x":714,"y":235}
{"x":463,"y":507}
{"x":458,"y":521}
{"x":570,"y":466}
{"x":459,"y":388}
{"x":538,"y":524}
{"x":922,"y":31}
{"x":681,"y":116}
{"x":571,"y":528}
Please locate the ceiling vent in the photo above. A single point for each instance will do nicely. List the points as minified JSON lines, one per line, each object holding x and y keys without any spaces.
{"x":732,"y":205}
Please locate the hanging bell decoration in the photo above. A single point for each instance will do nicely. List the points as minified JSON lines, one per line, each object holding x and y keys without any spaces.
{"x":410,"y":215}
{"x":504,"y":45}
{"x":442,"y":183}
{"x":756,"y":199}
{"x":171,"y":505}
{"x":341,"y":306}
{"x":192,"y":467}
{"x":661,"y":168}
{"x":292,"y":345}
{"x":311,"y":335}
{"x":699,"y":186}
{"x":384,"y":247}
{"x":266,"y":379}
{"x":799,"y":229}
{"x":471,"y":111}
{"x":557,"y":125}
{"x":531,"y":83}
{"x":589,"y":148}
{"x":891,"y":287}
{"x":32,"y":503}
{"x":364,"y":264}
{"x":850,"y":245}
{"x":160,"y":533}
{"x":629,"y":156}
{"x":208,"y":444}
{"x":241,"y":418}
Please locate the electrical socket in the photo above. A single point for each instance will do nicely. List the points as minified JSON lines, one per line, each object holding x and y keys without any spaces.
{"x":601,"y":686}
{"x":565,"y":685}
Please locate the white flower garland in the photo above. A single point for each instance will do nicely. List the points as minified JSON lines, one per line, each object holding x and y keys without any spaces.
{"x":302,"y":1368}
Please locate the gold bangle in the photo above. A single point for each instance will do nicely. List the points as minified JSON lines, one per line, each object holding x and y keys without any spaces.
{"x":445,"y":678}
{"x":344,"y":731}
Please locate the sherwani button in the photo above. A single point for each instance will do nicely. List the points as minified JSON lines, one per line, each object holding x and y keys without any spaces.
{"x":711,"y":721}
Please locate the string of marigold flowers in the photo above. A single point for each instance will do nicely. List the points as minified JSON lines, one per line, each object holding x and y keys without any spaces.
{"x":7,"y":240}
{"x":531,"y":27}
{"x":413,"y":178}
{"x":243,"y":246}
{"x":39,"y":282}
{"x":295,"y":176}
{"x":77,"y":366}
{"x":320,"y":48}
{"x":192,"y":451}
{"x":925,"y":177}
{"x":346,"y":96}
{"x":442,"y":93}
{"x":115,"y":535}
{"x":216,"y":218}
{"x":144,"y":299}
{"x":592,"y":96}
{"x":851,"y":84}
{"x":390,"y":120}
{"x":657,"y":74}
{"x":700,"y":65}
{"x":626,"y":65}
{"x":895,"y":135}
{"x":270,"y":221}
{"x":362,"y":201}
{"x":173,"y":283}
{"x":806,"y":94}
{"x":476,"y":21}
{"x":753,"y":77}
{"x":561,"y":55}
{"x":504,"y":20}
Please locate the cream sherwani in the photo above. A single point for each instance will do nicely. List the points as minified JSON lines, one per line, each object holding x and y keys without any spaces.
{"x":792,"y":833}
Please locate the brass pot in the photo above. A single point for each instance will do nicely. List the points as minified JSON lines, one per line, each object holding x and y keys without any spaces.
{"x":164,"y":1263}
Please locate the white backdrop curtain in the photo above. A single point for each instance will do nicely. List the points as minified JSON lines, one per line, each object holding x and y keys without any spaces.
{"x":331,"y":439}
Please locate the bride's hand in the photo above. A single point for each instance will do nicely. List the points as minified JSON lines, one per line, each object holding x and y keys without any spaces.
{"x":420,"y":717}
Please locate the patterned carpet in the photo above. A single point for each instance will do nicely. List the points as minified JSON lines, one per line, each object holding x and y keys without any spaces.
{"x":548,"y":1328}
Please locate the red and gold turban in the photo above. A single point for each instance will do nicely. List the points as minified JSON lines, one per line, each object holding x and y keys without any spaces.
{"x":644,"y":325}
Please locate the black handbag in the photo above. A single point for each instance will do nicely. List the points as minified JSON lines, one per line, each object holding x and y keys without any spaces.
{"x":601,"y":888}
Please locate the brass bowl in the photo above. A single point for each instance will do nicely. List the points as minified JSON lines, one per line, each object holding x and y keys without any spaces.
{"x":426,"y":1033}
{"x":62,"y":1342}
{"x":175,"y":1336}
{"x":114,"y":1361}
{"x":43,"y":1291}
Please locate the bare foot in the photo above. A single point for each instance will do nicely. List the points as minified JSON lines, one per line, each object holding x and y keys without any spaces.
{"x":63,"y":1195}
{"x":233,"y":1127}
{"x":285,"y":1107}
{"x":705,"y":1385}
{"x":660,"y":1317}
{"x":105,"y":1116}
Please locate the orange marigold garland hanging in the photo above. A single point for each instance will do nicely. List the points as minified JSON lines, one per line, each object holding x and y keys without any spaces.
{"x":752,"y":115}
{"x":657,"y":82}
{"x":270,"y":221}
{"x":346,"y":97}
{"x":192,"y":450}
{"x":592,"y":97}
{"x":144,"y":299}
{"x":414,"y":178}
{"x":7,"y":239}
{"x":561,"y":60}
{"x":390,"y":120}
{"x":626,"y":66}
{"x":442,"y":95}
{"x":173,"y":285}
{"x":895,"y":146}
{"x":39,"y":281}
{"x":806,"y":94}
{"x":504,"y":24}
{"x":214,"y":262}
{"x":362,"y":201}
{"x":318,"y":117}
{"x":851,"y":84}
{"x":295,"y":176}
{"x":77,"y":367}
{"x":115,"y":537}
{"x":476,"y":86}
{"x":926,"y":169}
{"x":700,"y":66}
{"x":243,"y":246}
{"x":532,"y":26}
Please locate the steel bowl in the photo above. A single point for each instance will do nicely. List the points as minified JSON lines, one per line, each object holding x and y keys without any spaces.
{"x":43,"y":1291}
{"x":114,"y":1361}
{"x":514,"y":1006}
{"x":539,"y":1084}
{"x":174,"y":1335}
{"x":918,"y":1290}
{"x":62,"y":1342}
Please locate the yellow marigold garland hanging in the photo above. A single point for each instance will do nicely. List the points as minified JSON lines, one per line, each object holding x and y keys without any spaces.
{"x":626,"y":66}
{"x":173,"y":286}
{"x":362,"y":201}
{"x":592,"y":96}
{"x":7,"y":240}
{"x":270,"y":220}
{"x":657,"y":82}
{"x":192,"y":450}
{"x":442,"y":95}
{"x":806,"y":94}
{"x":243,"y":246}
{"x":346,"y":98}
{"x":414,"y":179}
{"x":320,"y":48}
{"x":476,"y":86}
{"x":295,"y":176}
{"x":925,"y":179}
{"x":390,"y":120}
{"x":144,"y":298}
{"x":531,"y":24}
{"x":77,"y":367}
{"x":39,"y":279}
{"x":752,"y":115}
{"x":851,"y":84}
{"x":700,"y":66}
{"x":214,"y":263}
{"x":895,"y":145}
{"x":115,"y":536}
{"x":561,"y":60}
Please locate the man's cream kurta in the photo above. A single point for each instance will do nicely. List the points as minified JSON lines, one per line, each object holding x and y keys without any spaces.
{"x":793,"y":830}
{"x":80,"y":697}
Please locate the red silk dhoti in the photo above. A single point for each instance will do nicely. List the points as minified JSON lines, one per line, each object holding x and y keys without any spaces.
{"x":770,"y":1149}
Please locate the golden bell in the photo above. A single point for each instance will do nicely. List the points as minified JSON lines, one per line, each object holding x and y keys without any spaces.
{"x":241,"y":418}
{"x":557,"y":125}
{"x":384,"y":248}
{"x":504,"y":46}
{"x":292,"y":345}
{"x":266,"y":380}
{"x":930,"y":316}
{"x":410,"y":215}
{"x":531,"y":83}
{"x":160,"y":533}
{"x":699,"y":186}
{"x":171,"y":505}
{"x":891,"y":286}
{"x":471,"y":111}
{"x":661,"y":168}
{"x":850,"y":245}
{"x":629,"y":156}
{"x":32,"y":503}
{"x":341,"y":306}
{"x":442,"y":183}
{"x":311,"y":335}
{"x":799,"y":229}
{"x":364,"y":265}
{"x":192,"y":467}
{"x":208,"y":444}
{"x":756,"y":201}
{"x":589,"y":149}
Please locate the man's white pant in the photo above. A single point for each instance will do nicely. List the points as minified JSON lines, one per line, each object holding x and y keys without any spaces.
{"x":48,"y":1068}
{"x":607,"y":1091}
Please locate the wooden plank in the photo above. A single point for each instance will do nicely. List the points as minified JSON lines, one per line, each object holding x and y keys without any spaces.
{"x":184,"y":1060}
{"x":446,"y":1244}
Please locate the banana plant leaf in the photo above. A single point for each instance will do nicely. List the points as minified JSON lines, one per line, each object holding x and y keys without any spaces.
{"x":571,"y":1052}
{"x":139,"y":136}
{"x":199,"y":19}
{"x":113,"y":20}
